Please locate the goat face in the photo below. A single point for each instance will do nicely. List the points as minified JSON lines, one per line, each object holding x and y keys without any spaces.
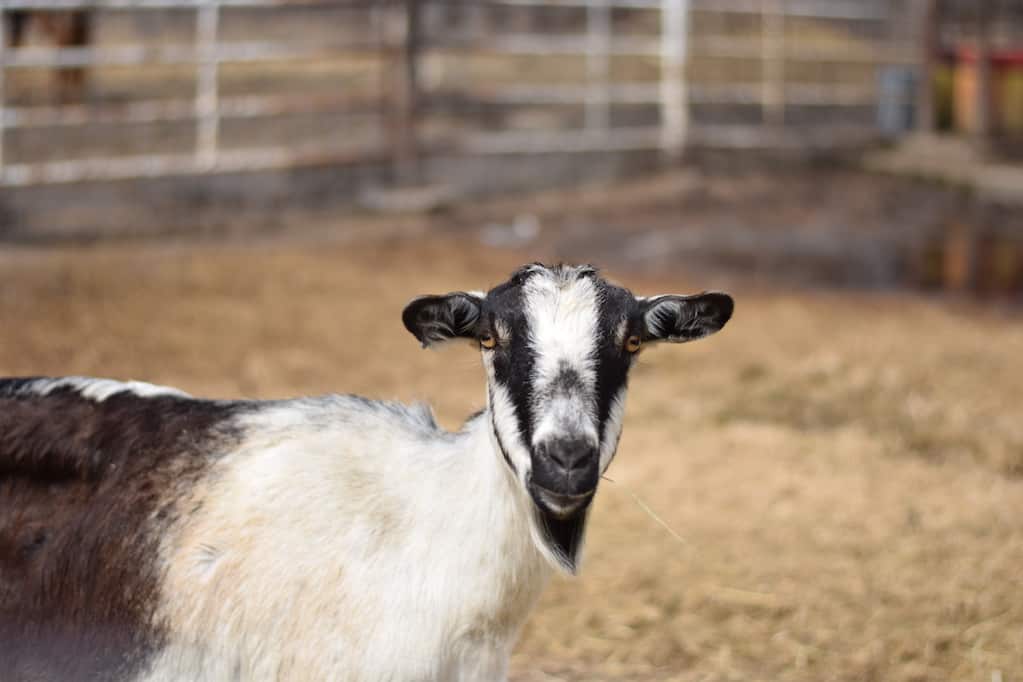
{"x":557,"y":345}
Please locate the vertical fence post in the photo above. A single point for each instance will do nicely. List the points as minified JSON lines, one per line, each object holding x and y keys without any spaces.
{"x":207,"y":102}
{"x":404,"y":68}
{"x":673,"y":90}
{"x":598,"y":65}
{"x":772,"y":59}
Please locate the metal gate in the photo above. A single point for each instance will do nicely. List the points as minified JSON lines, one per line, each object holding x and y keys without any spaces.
{"x":405,"y":79}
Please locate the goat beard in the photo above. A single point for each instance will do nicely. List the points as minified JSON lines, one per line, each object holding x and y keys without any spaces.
{"x":563,"y":538}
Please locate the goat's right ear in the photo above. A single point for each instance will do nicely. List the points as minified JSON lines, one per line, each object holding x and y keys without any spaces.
{"x":433,"y":319}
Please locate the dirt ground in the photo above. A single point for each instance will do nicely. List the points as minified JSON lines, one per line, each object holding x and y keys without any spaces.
{"x":844,"y":472}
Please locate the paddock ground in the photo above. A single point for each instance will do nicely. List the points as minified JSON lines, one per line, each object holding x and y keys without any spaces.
{"x":844,"y":470}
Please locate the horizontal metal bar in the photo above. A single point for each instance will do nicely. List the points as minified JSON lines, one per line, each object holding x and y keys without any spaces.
{"x":811,"y":9}
{"x":727,"y":48}
{"x":152,"y":166}
{"x":265,"y":106}
{"x":715,"y":47}
{"x":129,"y":55}
{"x":156,"y":111}
{"x":523,"y":44}
{"x":721,"y":136}
{"x":482,"y":143}
{"x":819,"y":9}
{"x":823,"y":9}
{"x":802,"y":94}
{"x":551,"y":141}
{"x":805,"y":94}
{"x":626,"y":93}
{"x":546,"y":45}
{"x":830,"y":95}
{"x":649,"y":138}
{"x":624,"y":4}
{"x":57,"y":5}
{"x":34,"y":57}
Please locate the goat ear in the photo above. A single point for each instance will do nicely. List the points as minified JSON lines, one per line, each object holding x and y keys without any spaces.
{"x":433,"y":319}
{"x":679,"y":319}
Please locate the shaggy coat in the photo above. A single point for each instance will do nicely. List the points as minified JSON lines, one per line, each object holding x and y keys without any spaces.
{"x":147,"y":535}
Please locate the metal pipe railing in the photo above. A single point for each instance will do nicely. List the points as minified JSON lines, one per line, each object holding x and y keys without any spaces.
{"x":596,"y":93}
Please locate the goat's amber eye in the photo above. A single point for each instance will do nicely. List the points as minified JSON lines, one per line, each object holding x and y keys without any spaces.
{"x":633,"y":343}
{"x":488,"y":341}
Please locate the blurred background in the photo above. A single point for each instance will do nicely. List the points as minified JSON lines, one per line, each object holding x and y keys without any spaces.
{"x":237,"y":197}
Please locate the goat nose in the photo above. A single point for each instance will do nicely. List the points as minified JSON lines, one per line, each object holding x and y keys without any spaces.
{"x":571,"y":455}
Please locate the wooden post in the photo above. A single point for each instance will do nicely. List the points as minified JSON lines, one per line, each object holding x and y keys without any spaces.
{"x":928,"y":25}
{"x":772,"y":56}
{"x":406,"y":96}
{"x":598,"y":64}
{"x":983,"y":91}
{"x":673,"y":91}
{"x":207,"y":102}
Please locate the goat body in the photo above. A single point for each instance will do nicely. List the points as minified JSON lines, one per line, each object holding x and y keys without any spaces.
{"x":145,"y":535}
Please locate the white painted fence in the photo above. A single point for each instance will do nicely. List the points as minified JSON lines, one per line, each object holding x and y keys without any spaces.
{"x":597,"y":42}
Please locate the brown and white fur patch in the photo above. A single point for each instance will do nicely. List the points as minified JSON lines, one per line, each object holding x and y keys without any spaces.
{"x":150,"y":536}
{"x":89,"y":480}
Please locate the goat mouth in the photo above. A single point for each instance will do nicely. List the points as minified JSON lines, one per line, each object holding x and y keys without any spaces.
{"x":559,"y":505}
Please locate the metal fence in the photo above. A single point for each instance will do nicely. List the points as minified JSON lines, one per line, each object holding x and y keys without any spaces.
{"x":407,"y":79}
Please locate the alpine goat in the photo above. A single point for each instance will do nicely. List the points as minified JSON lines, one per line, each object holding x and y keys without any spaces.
{"x":149,"y":536}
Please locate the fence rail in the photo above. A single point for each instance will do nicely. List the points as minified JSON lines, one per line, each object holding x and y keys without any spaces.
{"x":398,"y":47}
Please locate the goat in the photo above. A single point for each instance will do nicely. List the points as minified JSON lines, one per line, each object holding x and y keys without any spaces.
{"x":146,"y":535}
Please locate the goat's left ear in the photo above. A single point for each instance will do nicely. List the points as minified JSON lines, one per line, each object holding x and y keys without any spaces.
{"x":433,"y":319}
{"x":678,"y":319}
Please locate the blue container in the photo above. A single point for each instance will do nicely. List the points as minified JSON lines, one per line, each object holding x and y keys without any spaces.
{"x":896,"y":112}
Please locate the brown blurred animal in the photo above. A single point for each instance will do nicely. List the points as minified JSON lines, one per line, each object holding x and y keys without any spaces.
{"x":64,"y":28}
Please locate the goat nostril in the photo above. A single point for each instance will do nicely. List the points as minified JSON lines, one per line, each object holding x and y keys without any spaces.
{"x":569,"y":456}
{"x":581,"y":462}
{"x":559,"y":457}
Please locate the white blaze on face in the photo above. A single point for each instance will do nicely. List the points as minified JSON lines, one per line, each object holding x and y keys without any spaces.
{"x":562,"y":314}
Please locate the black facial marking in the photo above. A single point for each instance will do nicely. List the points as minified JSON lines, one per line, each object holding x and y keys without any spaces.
{"x":613,"y":362}
{"x":564,"y":536}
{"x":567,"y":382}
{"x":513,"y":358}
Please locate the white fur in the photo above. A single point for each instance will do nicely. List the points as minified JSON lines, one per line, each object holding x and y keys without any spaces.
{"x":562,"y":313}
{"x":612,"y":430}
{"x":101,"y":389}
{"x":350,"y":541}
{"x":501,"y":411}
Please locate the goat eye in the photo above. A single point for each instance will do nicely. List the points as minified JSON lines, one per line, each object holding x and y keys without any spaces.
{"x":488,"y":341}
{"x":633,"y":343}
